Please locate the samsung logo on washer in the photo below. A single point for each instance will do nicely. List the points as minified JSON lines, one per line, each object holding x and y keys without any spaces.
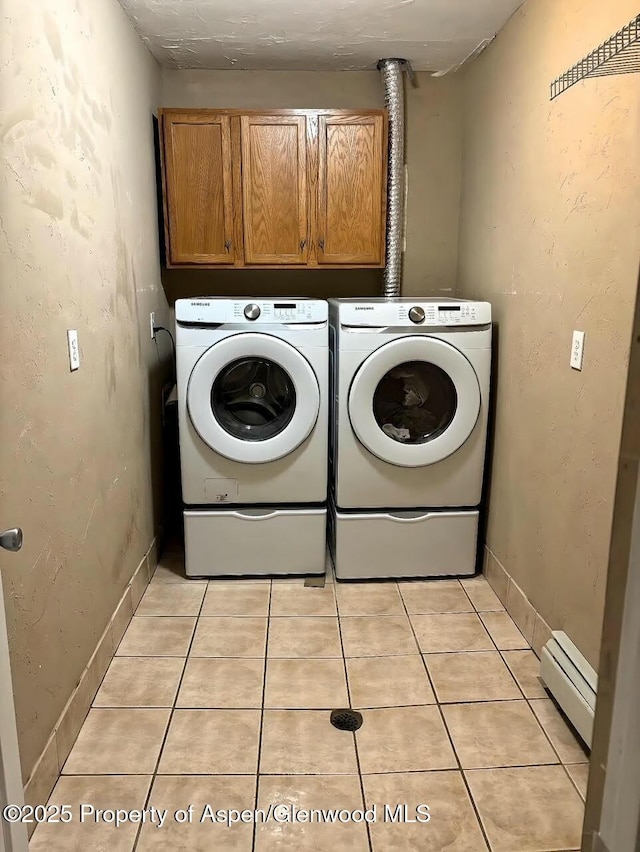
{"x":364,"y":307}
{"x":202,"y":304}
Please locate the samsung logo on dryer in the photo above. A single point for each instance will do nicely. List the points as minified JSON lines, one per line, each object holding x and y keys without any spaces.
{"x":201,"y":304}
{"x":364,"y":307}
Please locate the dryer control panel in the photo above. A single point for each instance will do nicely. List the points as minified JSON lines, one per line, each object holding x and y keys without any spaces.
{"x":217,"y":311}
{"x":372,"y":313}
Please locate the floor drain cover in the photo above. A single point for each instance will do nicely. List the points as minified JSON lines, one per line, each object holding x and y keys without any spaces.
{"x":346,"y":720}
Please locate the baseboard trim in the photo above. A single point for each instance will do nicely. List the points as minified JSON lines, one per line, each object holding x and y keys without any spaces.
{"x":49,"y":765}
{"x":530,"y":623}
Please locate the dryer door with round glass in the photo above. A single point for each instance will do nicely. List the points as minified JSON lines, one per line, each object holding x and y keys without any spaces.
{"x":414,"y":401}
{"x":253,"y":398}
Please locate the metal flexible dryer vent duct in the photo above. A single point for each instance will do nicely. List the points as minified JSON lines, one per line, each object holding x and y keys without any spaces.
{"x":391,"y":70}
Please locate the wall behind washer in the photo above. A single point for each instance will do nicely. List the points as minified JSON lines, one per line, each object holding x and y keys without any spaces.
{"x":434,"y":149}
{"x":79,"y":249}
{"x":550,"y":218}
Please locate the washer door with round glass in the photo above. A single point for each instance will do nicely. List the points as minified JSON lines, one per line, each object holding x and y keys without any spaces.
{"x":253,"y":398}
{"x":414,"y":401}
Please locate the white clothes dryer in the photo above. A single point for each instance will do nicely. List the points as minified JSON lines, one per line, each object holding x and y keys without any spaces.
{"x":253,"y":408}
{"x":410,"y":395}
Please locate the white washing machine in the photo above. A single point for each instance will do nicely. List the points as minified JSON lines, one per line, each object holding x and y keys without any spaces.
{"x":253,"y":408}
{"x":410,"y":395}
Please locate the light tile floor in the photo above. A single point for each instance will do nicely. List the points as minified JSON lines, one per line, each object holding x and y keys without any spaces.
{"x":220,"y":692}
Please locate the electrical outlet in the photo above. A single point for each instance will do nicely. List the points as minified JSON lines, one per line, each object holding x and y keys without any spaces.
{"x":74,"y":350}
{"x":577,"y":350}
{"x":152,"y":324}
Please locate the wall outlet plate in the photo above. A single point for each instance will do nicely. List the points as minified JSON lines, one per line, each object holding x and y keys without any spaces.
{"x":74,"y":350}
{"x":577,"y":350}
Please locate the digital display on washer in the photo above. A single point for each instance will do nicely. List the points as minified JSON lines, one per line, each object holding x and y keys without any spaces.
{"x":445,"y":308}
{"x":289,"y":306}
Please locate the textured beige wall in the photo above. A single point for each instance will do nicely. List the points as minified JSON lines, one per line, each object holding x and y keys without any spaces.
{"x":549,"y":234}
{"x":434,"y":116}
{"x":78,"y":249}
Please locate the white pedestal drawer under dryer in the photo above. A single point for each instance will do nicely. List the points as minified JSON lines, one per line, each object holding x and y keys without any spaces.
{"x":410,"y":395}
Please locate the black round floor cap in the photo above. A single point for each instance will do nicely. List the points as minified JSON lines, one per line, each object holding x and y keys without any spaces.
{"x":346,"y":719}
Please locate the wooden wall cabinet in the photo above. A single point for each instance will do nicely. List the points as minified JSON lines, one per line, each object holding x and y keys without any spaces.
{"x":288,"y":188}
{"x":198,"y":189}
{"x":351,"y":183}
{"x":275,"y":207}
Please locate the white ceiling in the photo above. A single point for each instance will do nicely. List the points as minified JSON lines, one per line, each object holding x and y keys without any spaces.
{"x":434,"y":35}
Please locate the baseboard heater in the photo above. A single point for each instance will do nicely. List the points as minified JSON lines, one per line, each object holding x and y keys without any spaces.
{"x":571,"y":681}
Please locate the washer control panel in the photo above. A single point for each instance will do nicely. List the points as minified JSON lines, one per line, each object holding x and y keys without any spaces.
{"x":454,"y":314}
{"x":292,"y":311}
{"x":374,"y":313}
{"x":214,"y":311}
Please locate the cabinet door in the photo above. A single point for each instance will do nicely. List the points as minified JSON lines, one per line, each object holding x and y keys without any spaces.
{"x":198,"y":187}
{"x":274,"y":189}
{"x":351,"y":189}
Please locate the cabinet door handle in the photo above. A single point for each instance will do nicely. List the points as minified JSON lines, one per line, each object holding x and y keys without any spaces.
{"x":321,"y":244}
{"x":302,"y":244}
{"x":227,"y":245}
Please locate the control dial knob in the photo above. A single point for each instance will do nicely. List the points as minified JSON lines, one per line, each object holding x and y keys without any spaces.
{"x":252,"y":312}
{"x":416,"y":314}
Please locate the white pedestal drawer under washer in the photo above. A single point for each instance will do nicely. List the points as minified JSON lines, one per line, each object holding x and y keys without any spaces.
{"x":253,"y":422}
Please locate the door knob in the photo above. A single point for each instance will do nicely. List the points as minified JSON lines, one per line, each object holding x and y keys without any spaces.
{"x":11,"y":539}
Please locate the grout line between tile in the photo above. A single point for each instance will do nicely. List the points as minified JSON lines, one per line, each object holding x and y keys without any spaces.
{"x":355,"y":739}
{"x":254,"y":836}
{"x":289,"y":707}
{"x":555,"y":750}
{"x":493,"y":642}
{"x":475,"y":608}
{"x":172,"y":711}
{"x":319,"y":774}
{"x":453,"y":748}
{"x":565,"y":766}
{"x":504,"y":660}
{"x":325,"y":774}
{"x":149,"y":615}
